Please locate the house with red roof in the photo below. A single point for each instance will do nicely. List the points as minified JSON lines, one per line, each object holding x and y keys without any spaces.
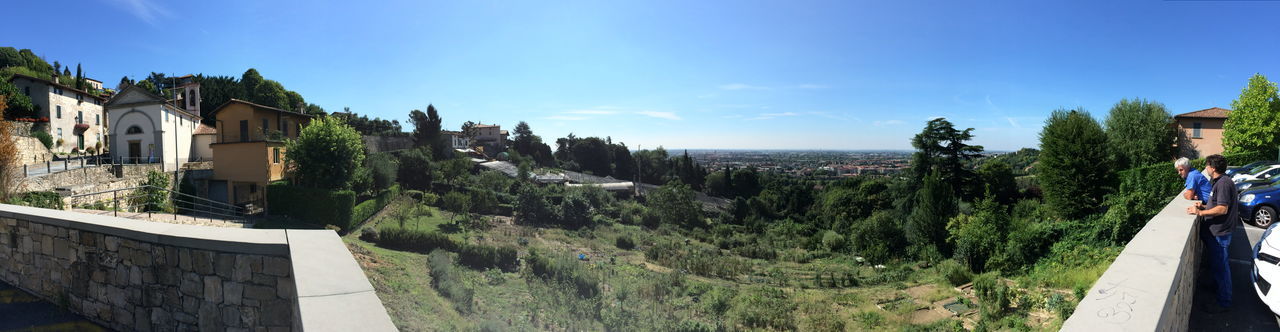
{"x":1200,"y":132}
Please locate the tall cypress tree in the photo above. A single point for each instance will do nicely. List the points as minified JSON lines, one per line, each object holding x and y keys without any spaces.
{"x":926,"y":228}
{"x":1075,"y":164}
{"x":79,"y":77}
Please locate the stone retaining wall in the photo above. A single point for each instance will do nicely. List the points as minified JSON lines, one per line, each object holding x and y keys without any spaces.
{"x":89,"y":175}
{"x":136,"y":275}
{"x":1150,"y":285}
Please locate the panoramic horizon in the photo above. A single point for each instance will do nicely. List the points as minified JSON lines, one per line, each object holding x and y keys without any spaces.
{"x":693,"y":76}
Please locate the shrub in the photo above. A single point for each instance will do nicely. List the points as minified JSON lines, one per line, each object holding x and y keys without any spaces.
{"x":762,"y":307}
{"x":575,"y":211}
{"x":707,"y":262}
{"x":40,"y":199}
{"x":993,"y":294}
{"x":415,"y":170}
{"x":44,"y":137}
{"x":382,"y":168}
{"x":483,"y":257}
{"x":394,"y":237}
{"x":624,"y":243}
{"x":368,"y":208}
{"x":955,"y":273}
{"x":533,"y":208}
{"x":564,"y":270}
{"x":718,"y":300}
{"x":326,"y":154}
{"x":819,"y":315}
{"x":370,"y":235}
{"x":154,"y":197}
{"x":978,"y":237}
{"x":869,"y":319}
{"x":833,"y":241}
{"x":446,"y":279}
{"x":879,"y":237}
{"x":315,"y":206}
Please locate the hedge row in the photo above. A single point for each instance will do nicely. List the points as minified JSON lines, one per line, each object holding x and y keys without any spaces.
{"x":1163,"y":177}
{"x":311,"y":205}
{"x":474,"y":256}
{"x":368,"y":208}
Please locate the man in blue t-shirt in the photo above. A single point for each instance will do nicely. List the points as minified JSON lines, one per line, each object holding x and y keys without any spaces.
{"x":1197,"y":185}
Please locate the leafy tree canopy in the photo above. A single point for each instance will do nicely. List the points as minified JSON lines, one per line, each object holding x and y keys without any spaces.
{"x":1254,"y":124}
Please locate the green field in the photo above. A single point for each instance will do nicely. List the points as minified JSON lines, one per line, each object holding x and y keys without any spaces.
{"x":637,"y":293}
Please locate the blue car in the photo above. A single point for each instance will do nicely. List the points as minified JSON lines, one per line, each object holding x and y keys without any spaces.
{"x":1258,"y":205}
{"x":1246,"y":185}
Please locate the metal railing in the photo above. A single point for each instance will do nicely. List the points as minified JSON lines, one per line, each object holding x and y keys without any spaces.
{"x":77,"y":162}
{"x":136,"y":201}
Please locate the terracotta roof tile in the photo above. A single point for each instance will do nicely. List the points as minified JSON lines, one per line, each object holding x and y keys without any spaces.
{"x":203,"y":129}
{"x":1211,"y":113}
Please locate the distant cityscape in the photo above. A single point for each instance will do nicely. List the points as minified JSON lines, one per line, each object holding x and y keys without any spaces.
{"x":809,"y":162}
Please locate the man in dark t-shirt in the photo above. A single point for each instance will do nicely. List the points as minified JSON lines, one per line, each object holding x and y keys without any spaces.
{"x":1220,"y":216}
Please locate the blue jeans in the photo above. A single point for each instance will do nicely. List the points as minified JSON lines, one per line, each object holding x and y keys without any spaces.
{"x":1215,"y":254}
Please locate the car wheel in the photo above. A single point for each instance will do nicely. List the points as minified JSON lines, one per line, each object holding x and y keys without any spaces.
{"x":1264,"y":216}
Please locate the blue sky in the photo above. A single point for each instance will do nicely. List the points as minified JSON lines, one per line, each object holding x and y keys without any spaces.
{"x":690,"y":74}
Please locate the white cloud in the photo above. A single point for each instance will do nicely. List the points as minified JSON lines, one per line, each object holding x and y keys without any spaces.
{"x":766,"y":116}
{"x":566,"y":118}
{"x":741,"y":86}
{"x":145,"y":10}
{"x":592,"y":112}
{"x":887,"y":123}
{"x":1013,"y":122}
{"x":660,"y":115}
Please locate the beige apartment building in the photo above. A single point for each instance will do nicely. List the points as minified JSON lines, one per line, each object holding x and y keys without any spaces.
{"x":1200,"y":132}
{"x":76,"y":117}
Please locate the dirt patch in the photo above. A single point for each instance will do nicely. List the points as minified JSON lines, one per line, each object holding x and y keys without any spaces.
{"x":926,"y":316}
{"x":922,"y":291}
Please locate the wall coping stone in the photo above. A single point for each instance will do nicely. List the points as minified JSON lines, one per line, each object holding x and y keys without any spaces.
{"x":1148,"y":286}
{"x":333,"y":292}
{"x":234,"y":240}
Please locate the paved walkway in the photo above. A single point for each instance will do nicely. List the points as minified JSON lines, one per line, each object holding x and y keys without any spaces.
{"x":1247,"y":312}
{"x":21,"y":311}
{"x":173,"y":219}
{"x":55,"y":166}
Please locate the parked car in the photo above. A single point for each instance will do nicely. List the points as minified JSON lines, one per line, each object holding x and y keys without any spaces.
{"x":1261,"y":172}
{"x":1266,"y":269}
{"x":1256,"y":164}
{"x":1246,"y":185}
{"x":1258,"y":205}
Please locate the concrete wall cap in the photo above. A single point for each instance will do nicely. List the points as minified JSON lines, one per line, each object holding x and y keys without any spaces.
{"x":233,"y":240}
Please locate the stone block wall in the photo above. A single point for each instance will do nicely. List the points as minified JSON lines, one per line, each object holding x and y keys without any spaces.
{"x":128,"y":284}
{"x":133,"y":275}
{"x":1150,"y":285}
{"x":89,"y":175}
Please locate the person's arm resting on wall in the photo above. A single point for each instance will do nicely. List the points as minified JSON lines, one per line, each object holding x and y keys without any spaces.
{"x":1210,"y":212}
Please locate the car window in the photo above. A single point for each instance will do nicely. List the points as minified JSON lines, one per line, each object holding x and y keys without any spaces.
{"x":1255,"y":170}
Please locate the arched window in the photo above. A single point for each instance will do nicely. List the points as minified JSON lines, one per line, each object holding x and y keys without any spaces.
{"x":133,"y":130}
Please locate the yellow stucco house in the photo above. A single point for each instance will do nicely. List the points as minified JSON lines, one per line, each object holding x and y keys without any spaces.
{"x":249,"y":150}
